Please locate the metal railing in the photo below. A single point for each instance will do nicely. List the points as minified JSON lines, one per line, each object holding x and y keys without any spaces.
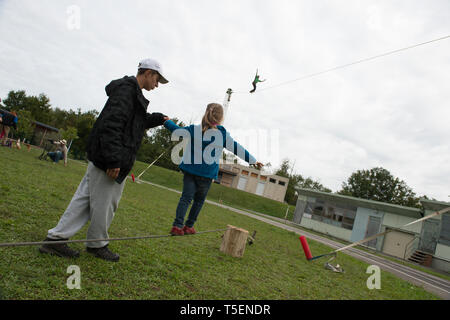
{"x":413,"y":244}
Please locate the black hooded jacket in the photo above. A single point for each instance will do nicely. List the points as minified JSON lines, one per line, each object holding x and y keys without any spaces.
{"x":117,"y":133}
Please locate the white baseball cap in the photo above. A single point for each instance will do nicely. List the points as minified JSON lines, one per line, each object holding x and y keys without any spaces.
{"x":153,"y":65}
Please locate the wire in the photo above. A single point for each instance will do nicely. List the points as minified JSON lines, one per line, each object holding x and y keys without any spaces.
{"x":347,"y":65}
{"x":22,"y":244}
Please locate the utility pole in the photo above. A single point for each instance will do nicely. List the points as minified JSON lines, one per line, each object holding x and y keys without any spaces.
{"x":226,"y":104}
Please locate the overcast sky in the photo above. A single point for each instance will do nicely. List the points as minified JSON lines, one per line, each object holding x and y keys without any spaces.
{"x":391,"y":112}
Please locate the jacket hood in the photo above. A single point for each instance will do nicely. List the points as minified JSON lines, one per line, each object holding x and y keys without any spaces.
{"x":130,"y":81}
{"x":113,"y":85}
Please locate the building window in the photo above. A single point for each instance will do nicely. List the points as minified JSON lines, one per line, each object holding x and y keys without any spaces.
{"x":263,"y":178}
{"x":273,"y":180}
{"x":329,"y":213}
{"x":348,"y":219}
{"x":281,"y":183}
{"x":317,"y":211}
{"x":254,"y":175}
{"x":245,"y":172}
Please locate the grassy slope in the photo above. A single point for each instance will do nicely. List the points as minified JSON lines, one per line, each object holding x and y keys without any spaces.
{"x":33,"y":195}
{"x":228,"y":196}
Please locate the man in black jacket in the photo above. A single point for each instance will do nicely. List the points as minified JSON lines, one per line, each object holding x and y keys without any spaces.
{"x":112,"y":146}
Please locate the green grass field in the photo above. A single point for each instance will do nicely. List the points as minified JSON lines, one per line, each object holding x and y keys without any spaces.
{"x":34,"y":194}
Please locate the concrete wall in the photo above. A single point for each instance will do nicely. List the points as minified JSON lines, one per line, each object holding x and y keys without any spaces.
{"x":272,"y":191}
{"x":395,"y":221}
{"x":442,"y":252}
{"x":299,"y":209}
{"x":361,"y":222}
{"x":441,"y":258}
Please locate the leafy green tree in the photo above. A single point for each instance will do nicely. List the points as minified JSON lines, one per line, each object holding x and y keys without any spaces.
{"x":158,"y":141}
{"x":69,"y":134}
{"x":38,"y":106}
{"x":83,"y":122}
{"x":380,"y":185}
{"x":296,"y":180}
{"x":25,"y":126}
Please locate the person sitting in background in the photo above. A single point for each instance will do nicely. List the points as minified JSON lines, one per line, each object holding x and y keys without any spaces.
{"x":60,"y":153}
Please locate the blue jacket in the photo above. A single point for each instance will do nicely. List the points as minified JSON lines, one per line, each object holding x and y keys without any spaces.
{"x":203,"y":151}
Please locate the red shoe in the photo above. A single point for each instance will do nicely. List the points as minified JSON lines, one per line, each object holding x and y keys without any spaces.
{"x":176,"y":231}
{"x":188,"y":230}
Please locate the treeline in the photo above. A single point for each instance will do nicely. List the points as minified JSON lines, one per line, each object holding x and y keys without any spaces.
{"x":374,"y":184}
{"x":72,"y":125}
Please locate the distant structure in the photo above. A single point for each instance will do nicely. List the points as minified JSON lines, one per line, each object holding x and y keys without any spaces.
{"x":252,"y":180}
{"x":353,"y":219}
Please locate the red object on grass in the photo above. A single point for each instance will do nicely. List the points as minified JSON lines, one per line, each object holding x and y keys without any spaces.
{"x":132,"y":177}
{"x":306,"y":248}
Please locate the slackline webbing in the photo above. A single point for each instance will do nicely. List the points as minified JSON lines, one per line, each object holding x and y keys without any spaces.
{"x":22,"y":244}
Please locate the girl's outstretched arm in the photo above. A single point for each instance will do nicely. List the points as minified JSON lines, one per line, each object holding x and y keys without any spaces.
{"x":172,"y":126}
{"x":238,"y":150}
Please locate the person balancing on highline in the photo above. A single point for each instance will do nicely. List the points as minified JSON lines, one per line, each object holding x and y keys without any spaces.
{"x":255,"y":81}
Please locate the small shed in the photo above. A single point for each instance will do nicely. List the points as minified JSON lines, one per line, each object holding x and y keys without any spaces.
{"x":43,"y":131}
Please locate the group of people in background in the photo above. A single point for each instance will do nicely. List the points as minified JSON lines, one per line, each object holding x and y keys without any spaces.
{"x":10,"y":119}
{"x":7,"y":120}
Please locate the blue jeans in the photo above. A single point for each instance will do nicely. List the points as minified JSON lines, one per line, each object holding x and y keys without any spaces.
{"x":55,"y":156}
{"x":194,"y":187}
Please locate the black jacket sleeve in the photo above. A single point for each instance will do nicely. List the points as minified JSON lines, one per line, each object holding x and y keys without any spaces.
{"x":154,"y":119}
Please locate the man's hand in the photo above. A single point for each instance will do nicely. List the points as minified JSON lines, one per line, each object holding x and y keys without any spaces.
{"x":113,"y":173}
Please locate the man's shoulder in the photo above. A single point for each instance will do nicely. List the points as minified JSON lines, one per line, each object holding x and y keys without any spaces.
{"x":124,"y":86}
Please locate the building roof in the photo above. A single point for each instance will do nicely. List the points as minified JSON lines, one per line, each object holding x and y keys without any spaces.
{"x":359,"y":202}
{"x":434,"y":205}
{"x":40,"y":124}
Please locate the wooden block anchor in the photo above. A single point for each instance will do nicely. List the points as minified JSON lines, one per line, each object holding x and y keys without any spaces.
{"x":234,"y":241}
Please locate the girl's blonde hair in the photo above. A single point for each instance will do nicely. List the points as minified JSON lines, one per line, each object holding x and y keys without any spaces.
{"x":213,"y":116}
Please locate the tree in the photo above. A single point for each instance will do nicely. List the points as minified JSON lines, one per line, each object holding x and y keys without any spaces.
{"x":158,"y":141}
{"x":296,"y":180}
{"x":83,"y":122}
{"x":69,"y":134}
{"x":25,"y":126}
{"x":39,"y":106}
{"x":380,"y":185}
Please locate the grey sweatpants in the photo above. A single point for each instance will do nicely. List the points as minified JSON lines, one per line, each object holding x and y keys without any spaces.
{"x":96,"y":199}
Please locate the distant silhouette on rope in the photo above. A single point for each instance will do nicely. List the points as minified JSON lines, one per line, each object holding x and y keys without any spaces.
{"x":255,"y":81}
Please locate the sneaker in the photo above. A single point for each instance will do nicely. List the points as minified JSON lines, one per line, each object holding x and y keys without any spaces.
{"x":188,"y":230}
{"x":58,"y":249}
{"x":176,"y":231}
{"x":103,"y":253}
